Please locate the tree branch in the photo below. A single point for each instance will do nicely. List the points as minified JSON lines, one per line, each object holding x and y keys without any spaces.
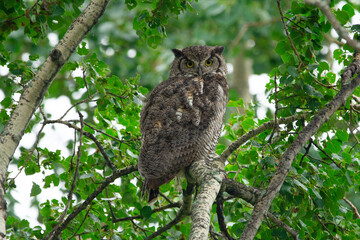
{"x":262,"y":206}
{"x":324,"y":7}
{"x":35,"y":91}
{"x":210,"y":180}
{"x":171,"y":205}
{"x":92,"y":137}
{"x":61,"y":219}
{"x":220,"y":215}
{"x":265,"y":126}
{"x":292,"y":232}
{"x":117,"y":173}
{"x":352,"y":206}
{"x":288,"y":35}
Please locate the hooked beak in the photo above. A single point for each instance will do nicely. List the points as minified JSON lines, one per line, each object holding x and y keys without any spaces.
{"x":200,"y":72}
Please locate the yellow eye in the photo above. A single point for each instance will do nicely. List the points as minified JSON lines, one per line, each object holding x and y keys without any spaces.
{"x":208,"y":62}
{"x":189,"y":64}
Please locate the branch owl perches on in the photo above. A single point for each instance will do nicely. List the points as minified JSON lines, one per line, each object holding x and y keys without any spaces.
{"x":183,"y":116}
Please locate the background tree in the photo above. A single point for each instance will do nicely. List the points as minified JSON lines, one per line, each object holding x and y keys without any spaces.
{"x":128,"y":52}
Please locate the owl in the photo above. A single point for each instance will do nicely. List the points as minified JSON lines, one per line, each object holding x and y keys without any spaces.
{"x":183,"y":116}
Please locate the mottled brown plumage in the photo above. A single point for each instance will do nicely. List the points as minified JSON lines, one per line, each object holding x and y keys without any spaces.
{"x":182,"y":118}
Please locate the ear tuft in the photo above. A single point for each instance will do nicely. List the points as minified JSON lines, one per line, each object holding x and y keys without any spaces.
{"x":178,"y":53}
{"x":218,"y":50}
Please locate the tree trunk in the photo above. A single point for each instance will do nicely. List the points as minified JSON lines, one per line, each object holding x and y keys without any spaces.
{"x":35,"y":91}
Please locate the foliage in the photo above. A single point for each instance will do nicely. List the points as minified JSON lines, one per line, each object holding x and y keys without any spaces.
{"x":112,"y":82}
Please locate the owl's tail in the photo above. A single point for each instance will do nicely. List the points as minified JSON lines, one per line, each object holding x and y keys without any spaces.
{"x":151,"y":193}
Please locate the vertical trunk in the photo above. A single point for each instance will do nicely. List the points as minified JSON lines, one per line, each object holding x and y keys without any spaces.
{"x":240,"y":77}
{"x":34,"y":93}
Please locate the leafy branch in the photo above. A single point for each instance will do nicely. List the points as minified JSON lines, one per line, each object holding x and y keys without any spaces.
{"x":116,"y":174}
{"x":289,"y":155}
{"x":343,"y":33}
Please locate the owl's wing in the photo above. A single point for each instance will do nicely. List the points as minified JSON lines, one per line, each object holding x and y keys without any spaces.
{"x":168,"y":124}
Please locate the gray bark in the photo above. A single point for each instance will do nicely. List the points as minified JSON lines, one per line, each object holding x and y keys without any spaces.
{"x":34,"y":93}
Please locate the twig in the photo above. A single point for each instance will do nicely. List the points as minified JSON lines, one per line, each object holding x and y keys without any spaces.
{"x":115,"y":95}
{"x":80,"y":102}
{"x":288,"y":35}
{"x":92,"y":137}
{"x":82,"y":222}
{"x":220,"y":216}
{"x":172,"y":205}
{"x":239,"y":190}
{"x":306,"y":151}
{"x":265,"y":126}
{"x":86,"y":83}
{"x":276,"y":126}
{"x":327,"y":155}
{"x":61,"y":219}
{"x":28,"y":158}
{"x":246,"y":27}
{"x":325,"y":228}
{"x":324,"y":85}
{"x":292,"y":232}
{"x":137,"y":226}
{"x":26,"y":11}
{"x":352,"y":206}
{"x":324,"y":7}
{"x":118,"y":173}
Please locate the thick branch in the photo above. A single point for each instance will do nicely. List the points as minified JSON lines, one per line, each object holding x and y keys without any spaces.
{"x":210,"y":180}
{"x":236,"y":189}
{"x":289,"y":155}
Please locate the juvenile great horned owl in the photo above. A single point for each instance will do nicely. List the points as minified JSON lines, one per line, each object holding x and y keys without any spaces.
{"x":182,"y":118}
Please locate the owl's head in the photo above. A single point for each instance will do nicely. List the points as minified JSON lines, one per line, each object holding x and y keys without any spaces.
{"x":197,"y":61}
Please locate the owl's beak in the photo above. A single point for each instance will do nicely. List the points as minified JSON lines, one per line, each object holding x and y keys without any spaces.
{"x":200,"y":71}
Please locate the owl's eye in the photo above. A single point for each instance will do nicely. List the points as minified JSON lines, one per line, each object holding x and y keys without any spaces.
{"x":189,"y":64}
{"x":208,"y":62}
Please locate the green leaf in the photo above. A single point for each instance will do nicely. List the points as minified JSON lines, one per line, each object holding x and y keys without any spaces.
{"x":153,"y":41}
{"x":146,"y":212}
{"x":237,"y":103}
{"x":57,"y":10}
{"x":248,"y":123}
{"x":83,"y":50}
{"x":324,"y":66}
{"x":282,"y":47}
{"x":317,"y":194}
{"x":297,"y":183}
{"x":348,"y":9}
{"x":342,"y":16}
{"x":6,"y":102}
{"x":342,"y":135}
{"x":333,"y":146}
{"x":131,"y":4}
{"x":35,"y":190}
{"x":293,"y":71}
{"x":34,"y":57}
{"x":312,"y":91}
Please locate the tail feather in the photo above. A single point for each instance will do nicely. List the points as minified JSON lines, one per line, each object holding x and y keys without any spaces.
{"x":151,"y":193}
